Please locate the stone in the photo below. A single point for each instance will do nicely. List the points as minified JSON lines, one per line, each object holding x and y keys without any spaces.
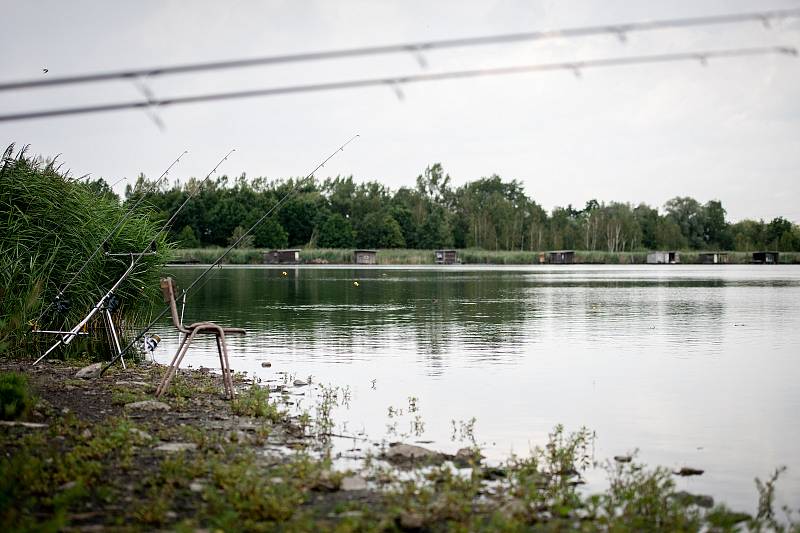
{"x":411,"y":521}
{"x":176,"y":447}
{"x":196,"y":486}
{"x":90,"y":371}
{"x":467,"y":456}
{"x":129,"y":383}
{"x":147,"y":405}
{"x":300,"y":383}
{"x":353,"y":483}
{"x":31,"y":425}
{"x":687,"y":471}
{"x":141,"y":434}
{"x":700,"y":500}
{"x":623,"y":458}
{"x":68,"y":485}
{"x":266,"y":364}
{"x":404,"y":454}
{"x":86,"y":434}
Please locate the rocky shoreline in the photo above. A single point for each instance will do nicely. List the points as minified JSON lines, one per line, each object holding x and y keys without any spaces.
{"x":99,"y":454}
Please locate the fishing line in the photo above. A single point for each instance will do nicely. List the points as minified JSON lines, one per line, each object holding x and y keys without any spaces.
{"x":620,"y":30}
{"x":224,"y":254}
{"x":121,"y":221}
{"x":394,"y":82}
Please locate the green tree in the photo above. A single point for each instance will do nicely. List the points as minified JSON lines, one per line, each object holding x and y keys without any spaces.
{"x":187,"y":238}
{"x":239,"y":235}
{"x":336,"y":232}
{"x":379,"y":230}
{"x":270,"y":234}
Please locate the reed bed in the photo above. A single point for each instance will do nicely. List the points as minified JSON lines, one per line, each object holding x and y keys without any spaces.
{"x":50,"y":225}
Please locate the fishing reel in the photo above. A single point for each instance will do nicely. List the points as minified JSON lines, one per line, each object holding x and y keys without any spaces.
{"x":113,"y":302}
{"x":62,"y":304}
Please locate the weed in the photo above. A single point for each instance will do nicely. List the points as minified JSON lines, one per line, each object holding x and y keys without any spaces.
{"x":15,"y":398}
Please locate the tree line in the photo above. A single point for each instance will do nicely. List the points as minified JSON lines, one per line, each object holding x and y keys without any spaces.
{"x":489,"y":213}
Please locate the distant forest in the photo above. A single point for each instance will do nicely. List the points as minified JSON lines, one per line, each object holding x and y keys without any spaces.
{"x":487,"y":213}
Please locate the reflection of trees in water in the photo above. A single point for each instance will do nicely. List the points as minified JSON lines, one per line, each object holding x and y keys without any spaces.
{"x":479,"y":313}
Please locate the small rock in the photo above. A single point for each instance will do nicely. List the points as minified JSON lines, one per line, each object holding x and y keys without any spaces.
{"x":399,"y":454}
{"x":493,"y":473}
{"x":687,"y":471}
{"x":90,"y":371}
{"x":147,"y":405}
{"x":68,"y":485}
{"x":353,"y":483}
{"x":196,"y":486}
{"x":467,"y":456}
{"x":127,"y":383}
{"x":351,"y":514}
{"x":411,"y":521}
{"x":300,"y":383}
{"x":176,"y":447}
{"x":171,"y":515}
{"x":266,"y":364}
{"x":514,"y":508}
{"x":141,"y":434}
{"x":86,"y":434}
{"x":326,"y":482}
{"x":700,"y":500}
{"x":623,"y":458}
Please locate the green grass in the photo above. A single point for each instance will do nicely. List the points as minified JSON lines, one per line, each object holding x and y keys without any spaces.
{"x":15,"y":398}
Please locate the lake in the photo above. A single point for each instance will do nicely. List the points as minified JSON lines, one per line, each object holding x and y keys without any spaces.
{"x":690,"y":365}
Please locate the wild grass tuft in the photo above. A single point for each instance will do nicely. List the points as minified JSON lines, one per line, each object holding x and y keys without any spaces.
{"x":15,"y":398}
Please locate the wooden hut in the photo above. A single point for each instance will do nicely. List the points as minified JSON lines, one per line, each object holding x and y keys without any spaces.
{"x":765,"y":258}
{"x":365,"y":257}
{"x":561,"y":257}
{"x":712,"y":258}
{"x":663,"y":258}
{"x":445,"y":257}
{"x":274,"y":257}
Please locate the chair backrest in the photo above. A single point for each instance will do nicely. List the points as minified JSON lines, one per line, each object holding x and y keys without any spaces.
{"x":168,"y":288}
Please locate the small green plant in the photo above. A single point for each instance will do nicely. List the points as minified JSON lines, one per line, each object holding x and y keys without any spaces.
{"x":254,"y":402}
{"x":15,"y":398}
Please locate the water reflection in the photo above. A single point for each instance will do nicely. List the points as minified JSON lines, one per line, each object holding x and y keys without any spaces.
{"x":689,"y":364}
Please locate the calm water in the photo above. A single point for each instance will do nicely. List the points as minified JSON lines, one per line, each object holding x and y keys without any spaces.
{"x":691,"y":365}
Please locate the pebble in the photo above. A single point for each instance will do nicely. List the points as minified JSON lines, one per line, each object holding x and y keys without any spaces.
{"x":89,"y":371}
{"x":353,"y":483}
{"x":300,"y":383}
{"x":147,"y":405}
{"x":687,"y":471}
{"x":176,"y":447}
{"x":266,"y":364}
{"x":623,"y":458}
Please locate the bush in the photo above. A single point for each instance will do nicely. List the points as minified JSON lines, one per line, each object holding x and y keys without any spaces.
{"x":15,"y":399}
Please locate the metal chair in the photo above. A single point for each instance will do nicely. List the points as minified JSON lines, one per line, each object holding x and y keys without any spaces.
{"x":188,"y":334}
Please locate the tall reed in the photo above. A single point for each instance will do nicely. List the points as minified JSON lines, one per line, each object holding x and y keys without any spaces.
{"x":50,"y":224}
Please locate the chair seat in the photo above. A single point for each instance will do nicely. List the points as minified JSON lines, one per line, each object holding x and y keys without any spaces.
{"x":211,"y":327}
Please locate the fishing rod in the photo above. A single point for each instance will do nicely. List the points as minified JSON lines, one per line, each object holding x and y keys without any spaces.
{"x":620,"y":30}
{"x":58,"y":300}
{"x":68,"y":336}
{"x":224,"y":254}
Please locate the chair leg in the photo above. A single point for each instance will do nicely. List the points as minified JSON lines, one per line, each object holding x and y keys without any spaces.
{"x":225,"y":370}
{"x":221,"y":340}
{"x":175,"y":364}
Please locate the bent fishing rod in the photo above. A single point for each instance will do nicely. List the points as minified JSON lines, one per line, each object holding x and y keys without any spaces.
{"x":219,"y":259}
{"x":67,"y":337}
{"x":58,"y":299}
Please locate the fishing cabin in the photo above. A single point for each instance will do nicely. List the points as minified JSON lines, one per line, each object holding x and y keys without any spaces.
{"x":712,"y":258}
{"x":445,"y":257}
{"x":663,"y":258}
{"x":365,"y":257}
{"x":765,"y":258}
{"x":274,"y":257}
{"x":561,"y":257}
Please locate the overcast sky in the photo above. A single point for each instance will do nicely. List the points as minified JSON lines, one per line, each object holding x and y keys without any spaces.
{"x":728,"y":131}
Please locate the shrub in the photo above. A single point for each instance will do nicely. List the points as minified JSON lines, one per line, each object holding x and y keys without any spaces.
{"x":15,"y":399}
